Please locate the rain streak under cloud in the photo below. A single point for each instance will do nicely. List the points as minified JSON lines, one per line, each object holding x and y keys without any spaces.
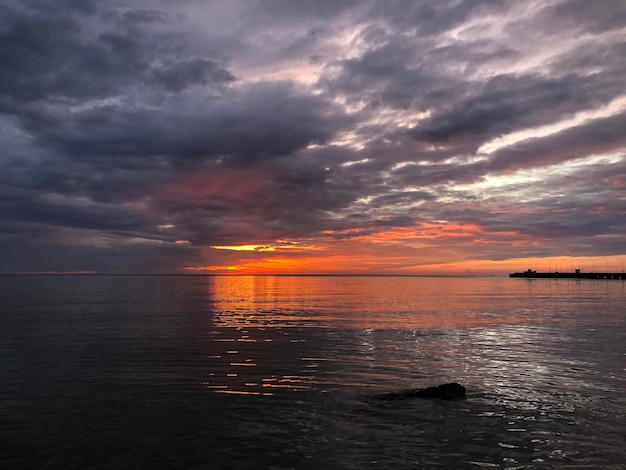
{"x":313,"y":136}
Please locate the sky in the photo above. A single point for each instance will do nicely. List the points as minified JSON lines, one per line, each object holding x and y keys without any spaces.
{"x":312,"y":136}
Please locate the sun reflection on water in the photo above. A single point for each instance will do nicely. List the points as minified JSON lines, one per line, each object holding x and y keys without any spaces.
{"x":280,"y":334}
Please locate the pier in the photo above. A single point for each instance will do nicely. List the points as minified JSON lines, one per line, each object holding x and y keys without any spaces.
{"x":530,"y":274}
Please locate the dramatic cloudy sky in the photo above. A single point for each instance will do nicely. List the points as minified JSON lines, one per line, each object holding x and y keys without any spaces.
{"x":407,"y":136}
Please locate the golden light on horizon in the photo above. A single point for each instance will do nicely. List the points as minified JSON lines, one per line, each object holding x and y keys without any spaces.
{"x":277,"y":246}
{"x":244,"y":247}
{"x":352,"y":261}
{"x":398,"y":250}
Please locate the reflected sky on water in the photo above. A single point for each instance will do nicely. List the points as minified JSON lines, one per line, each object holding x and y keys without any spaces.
{"x":258,"y":365}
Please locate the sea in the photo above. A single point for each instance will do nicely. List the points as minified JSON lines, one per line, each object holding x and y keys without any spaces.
{"x":283,"y":372}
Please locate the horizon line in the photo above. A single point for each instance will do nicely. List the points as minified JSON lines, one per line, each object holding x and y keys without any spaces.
{"x":94,"y":274}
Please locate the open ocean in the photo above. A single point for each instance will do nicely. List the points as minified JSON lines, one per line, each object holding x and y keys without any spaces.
{"x":278,"y":372}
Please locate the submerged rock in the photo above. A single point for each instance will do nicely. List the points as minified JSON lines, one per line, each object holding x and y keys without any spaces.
{"x":449,"y":391}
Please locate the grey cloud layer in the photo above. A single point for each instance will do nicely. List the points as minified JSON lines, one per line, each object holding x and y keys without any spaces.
{"x":118,"y":118}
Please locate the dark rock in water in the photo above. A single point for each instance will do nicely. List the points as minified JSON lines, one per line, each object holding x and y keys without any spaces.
{"x":450,"y":391}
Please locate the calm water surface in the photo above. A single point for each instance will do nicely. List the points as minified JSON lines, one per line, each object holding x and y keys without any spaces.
{"x":279,"y":372}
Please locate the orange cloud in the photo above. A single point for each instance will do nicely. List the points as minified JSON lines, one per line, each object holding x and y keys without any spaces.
{"x":288,"y":265}
{"x":421,"y":232}
{"x":438,"y":248}
{"x":271,"y":247}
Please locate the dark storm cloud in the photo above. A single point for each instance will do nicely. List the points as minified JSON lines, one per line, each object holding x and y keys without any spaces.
{"x":23,"y":206}
{"x":503,"y":104}
{"x":594,"y":17}
{"x":403,"y":65}
{"x":57,"y":68}
{"x":35,"y":248}
{"x":45,"y":56}
{"x":506,"y":103}
{"x":402,"y":72}
{"x":403,"y":198}
{"x":265,"y":119}
{"x":303,"y":11}
{"x":590,"y":57}
{"x":182,"y":75}
{"x":67,"y":58}
{"x":149,"y":123}
{"x":382,"y":74}
{"x":430,"y":18}
{"x":136,"y":17}
{"x":598,"y":136}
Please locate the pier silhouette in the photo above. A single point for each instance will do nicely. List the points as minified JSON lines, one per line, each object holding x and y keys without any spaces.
{"x":577,"y":274}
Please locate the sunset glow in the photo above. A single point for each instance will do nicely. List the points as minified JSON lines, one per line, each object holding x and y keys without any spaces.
{"x":431,"y":137}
